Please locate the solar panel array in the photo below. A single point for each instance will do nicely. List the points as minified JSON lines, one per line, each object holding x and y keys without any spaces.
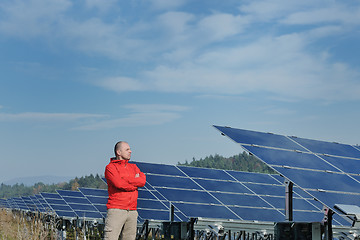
{"x":327,"y":171}
{"x":193,"y":192}
{"x":224,"y":194}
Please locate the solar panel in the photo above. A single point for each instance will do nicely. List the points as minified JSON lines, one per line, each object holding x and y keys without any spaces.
{"x":258,"y":138}
{"x":82,"y":207}
{"x":11,"y":204}
{"x":97,"y":197}
{"x":58,"y":205}
{"x":3,"y":203}
{"x":330,"y":148}
{"x":37,"y":205}
{"x":327,"y":171}
{"x":348,"y":165}
{"x":149,"y":206}
{"x":44,"y":207}
{"x":18,"y":203}
{"x":225,"y":194}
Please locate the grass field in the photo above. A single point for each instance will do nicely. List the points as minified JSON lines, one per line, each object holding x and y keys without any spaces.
{"x":19,"y":226}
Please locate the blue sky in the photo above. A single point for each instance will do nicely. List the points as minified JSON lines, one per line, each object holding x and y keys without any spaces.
{"x":77,"y":76}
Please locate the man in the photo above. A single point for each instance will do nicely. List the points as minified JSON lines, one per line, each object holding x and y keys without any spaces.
{"x":123,"y":180}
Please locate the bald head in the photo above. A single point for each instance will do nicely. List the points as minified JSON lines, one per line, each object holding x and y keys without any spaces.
{"x":122,"y":150}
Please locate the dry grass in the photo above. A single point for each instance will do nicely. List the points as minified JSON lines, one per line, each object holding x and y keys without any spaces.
{"x":19,"y":227}
{"x":8,"y":228}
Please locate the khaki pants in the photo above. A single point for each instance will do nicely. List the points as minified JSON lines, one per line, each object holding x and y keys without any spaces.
{"x":119,"y":221}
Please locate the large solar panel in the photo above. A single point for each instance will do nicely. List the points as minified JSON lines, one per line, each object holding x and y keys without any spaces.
{"x":223,"y":194}
{"x":327,"y":171}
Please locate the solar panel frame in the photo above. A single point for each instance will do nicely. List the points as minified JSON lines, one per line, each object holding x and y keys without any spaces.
{"x":249,"y":137}
{"x":162,"y":169}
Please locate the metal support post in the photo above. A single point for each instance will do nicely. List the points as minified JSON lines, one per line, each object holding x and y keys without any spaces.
{"x":172,"y":210}
{"x":190,"y":228}
{"x":144,"y":231}
{"x":327,"y":221}
{"x":288,"y":200}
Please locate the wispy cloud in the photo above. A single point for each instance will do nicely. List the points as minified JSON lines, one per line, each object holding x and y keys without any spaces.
{"x":250,"y":50}
{"x":281,"y":66}
{"x":33,"y":18}
{"x":38,"y":116}
{"x":140,"y":115}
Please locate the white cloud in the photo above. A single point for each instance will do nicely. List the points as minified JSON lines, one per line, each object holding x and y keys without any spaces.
{"x":279,"y":65}
{"x":32,"y":18}
{"x":175,"y":23}
{"x":207,"y":53}
{"x":336,"y":13}
{"x":140,"y":115}
{"x":265,"y":11}
{"x":219,"y":26}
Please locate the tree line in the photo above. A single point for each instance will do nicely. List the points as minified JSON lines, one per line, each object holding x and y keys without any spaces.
{"x":19,"y":190}
{"x":240,"y":162}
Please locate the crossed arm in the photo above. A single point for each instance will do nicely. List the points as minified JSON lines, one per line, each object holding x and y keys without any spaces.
{"x":128,"y":184}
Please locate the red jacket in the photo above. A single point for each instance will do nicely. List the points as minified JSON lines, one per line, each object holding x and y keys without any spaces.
{"x":122,"y":184}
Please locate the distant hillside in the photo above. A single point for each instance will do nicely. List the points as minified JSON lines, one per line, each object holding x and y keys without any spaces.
{"x":29,"y":181}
